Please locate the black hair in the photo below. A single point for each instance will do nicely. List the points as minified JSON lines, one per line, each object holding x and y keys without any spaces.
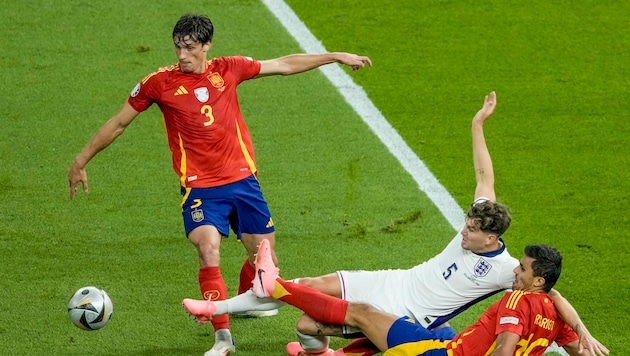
{"x":199,"y":28}
{"x":547,"y":263}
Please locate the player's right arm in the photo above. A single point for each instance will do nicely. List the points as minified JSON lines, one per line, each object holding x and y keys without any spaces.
{"x":484,"y":173}
{"x":506,"y":344}
{"x":113,"y":128}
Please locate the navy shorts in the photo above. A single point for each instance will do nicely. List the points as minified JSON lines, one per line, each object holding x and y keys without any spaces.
{"x":239,"y":205}
{"x":405,"y":337}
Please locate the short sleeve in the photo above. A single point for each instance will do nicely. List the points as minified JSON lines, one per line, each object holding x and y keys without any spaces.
{"x":566,"y":336}
{"x":242,"y":68}
{"x":510,"y":316}
{"x":144,"y":94}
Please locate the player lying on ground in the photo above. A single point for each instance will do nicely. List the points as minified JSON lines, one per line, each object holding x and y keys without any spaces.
{"x":523,"y":322}
{"x":475,"y":265}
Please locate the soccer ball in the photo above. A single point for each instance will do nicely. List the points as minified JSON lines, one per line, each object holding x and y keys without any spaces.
{"x":90,"y":308}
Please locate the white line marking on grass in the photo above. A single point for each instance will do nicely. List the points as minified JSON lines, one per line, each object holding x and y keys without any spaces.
{"x":359,"y":101}
{"x":356,"y":97}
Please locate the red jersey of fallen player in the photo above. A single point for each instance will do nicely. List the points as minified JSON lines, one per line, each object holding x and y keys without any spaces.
{"x":531,"y":315}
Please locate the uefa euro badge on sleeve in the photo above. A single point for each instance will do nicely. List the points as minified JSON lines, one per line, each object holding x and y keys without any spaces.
{"x":482,"y":268}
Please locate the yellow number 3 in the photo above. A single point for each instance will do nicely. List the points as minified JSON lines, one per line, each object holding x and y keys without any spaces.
{"x":207,"y":110}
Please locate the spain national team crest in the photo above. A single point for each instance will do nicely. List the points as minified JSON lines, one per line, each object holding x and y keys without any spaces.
{"x":197,"y":215}
{"x":202,"y":94}
{"x":482,"y":268}
{"x":216,"y":80}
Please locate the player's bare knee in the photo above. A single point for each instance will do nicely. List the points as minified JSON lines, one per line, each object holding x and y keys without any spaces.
{"x":306,"y":325}
{"x":357,"y":314}
{"x":328,"y":284}
{"x":310,"y":282}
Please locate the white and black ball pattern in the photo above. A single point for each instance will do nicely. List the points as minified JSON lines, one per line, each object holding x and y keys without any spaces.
{"x":90,"y":308}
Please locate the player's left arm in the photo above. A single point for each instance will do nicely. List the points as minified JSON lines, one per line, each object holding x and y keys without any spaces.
{"x":302,"y":62}
{"x":572,"y":348}
{"x":484,"y":172}
{"x":575,"y":349}
{"x":506,"y":344}
{"x":570,"y":316}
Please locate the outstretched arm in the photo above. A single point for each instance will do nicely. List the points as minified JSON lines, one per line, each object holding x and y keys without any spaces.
{"x":571,"y":317}
{"x":298,"y":63}
{"x":575,"y":349}
{"x":113,"y":128}
{"x":484,"y":173}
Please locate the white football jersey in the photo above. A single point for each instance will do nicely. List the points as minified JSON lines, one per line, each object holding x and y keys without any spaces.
{"x":436,"y":290}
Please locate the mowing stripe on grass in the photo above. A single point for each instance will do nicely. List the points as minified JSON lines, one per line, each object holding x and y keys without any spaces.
{"x":356,"y":97}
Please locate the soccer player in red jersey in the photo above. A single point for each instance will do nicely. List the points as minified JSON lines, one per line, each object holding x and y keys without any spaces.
{"x":524,"y":322}
{"x":212,"y":150}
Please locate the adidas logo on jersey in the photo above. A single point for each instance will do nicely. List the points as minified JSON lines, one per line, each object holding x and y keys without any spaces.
{"x":181,"y":91}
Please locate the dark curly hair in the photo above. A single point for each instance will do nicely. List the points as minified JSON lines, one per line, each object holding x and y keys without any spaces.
{"x":489,"y":216}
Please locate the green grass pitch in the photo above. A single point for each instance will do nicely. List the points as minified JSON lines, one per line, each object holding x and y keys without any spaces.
{"x":559,"y":142}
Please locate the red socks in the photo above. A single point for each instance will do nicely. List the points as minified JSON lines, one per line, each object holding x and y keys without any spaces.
{"x":246,"y":277}
{"x":213,"y":287}
{"x":319,"y":306}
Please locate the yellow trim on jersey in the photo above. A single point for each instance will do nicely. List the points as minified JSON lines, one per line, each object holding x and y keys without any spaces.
{"x":248,"y":158}
{"x":185,"y":197}
{"x":514,"y":299}
{"x":415,"y":348}
{"x":144,"y":80}
{"x":161,"y":69}
{"x":182,"y":163}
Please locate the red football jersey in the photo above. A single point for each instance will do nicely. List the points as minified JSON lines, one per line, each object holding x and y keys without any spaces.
{"x":531,"y":315}
{"x":207,"y":135}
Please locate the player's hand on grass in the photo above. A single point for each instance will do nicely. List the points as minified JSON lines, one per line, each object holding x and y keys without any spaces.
{"x":77,"y":175}
{"x":589,"y":343}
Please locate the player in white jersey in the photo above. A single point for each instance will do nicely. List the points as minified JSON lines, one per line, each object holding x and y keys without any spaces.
{"x":474,"y":266}
{"x":438,"y":289}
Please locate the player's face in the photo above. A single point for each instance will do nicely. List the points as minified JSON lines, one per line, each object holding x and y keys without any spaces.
{"x":524,"y":275}
{"x":475,"y":240}
{"x":191,"y":54}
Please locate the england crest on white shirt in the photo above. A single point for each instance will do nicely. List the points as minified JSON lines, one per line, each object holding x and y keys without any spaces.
{"x":202,"y":94}
{"x":482,"y":268}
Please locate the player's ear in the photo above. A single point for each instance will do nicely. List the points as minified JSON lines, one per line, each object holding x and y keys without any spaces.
{"x":539,"y":282}
{"x":207,"y":46}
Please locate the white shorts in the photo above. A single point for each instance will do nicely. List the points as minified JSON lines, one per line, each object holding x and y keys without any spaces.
{"x":386,"y":290}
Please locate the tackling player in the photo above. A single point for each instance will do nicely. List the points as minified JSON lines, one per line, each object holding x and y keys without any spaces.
{"x":523,"y":322}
